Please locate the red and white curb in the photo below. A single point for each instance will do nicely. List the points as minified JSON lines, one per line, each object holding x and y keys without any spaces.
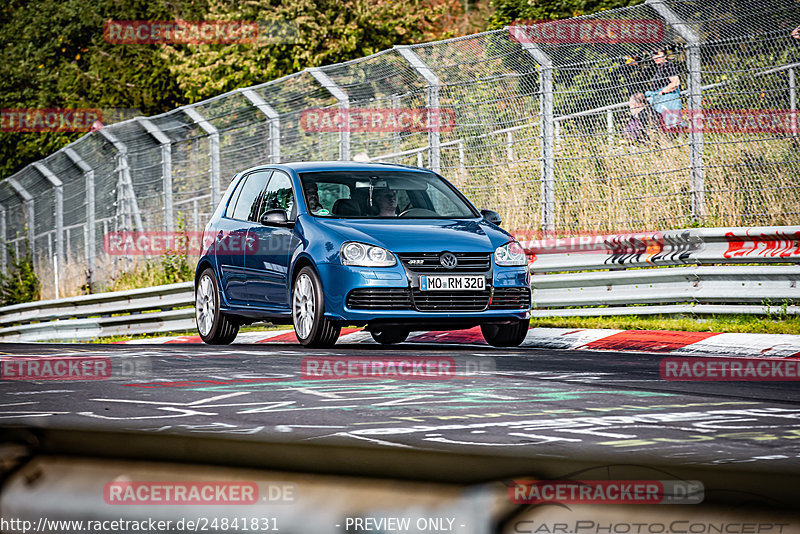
{"x":655,"y":341}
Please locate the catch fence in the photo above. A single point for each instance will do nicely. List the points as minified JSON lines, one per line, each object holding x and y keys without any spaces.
{"x":535,"y":123}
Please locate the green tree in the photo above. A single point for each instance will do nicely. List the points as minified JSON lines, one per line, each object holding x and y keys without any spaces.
{"x":53,"y":55}
{"x":310,"y":33}
{"x":508,"y":11}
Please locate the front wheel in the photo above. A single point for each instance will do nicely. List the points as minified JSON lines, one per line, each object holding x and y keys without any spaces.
{"x":390,"y":336}
{"x":215,"y":328}
{"x":308,"y":312}
{"x":505,"y":335}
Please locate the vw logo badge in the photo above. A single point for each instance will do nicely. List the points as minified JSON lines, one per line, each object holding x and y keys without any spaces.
{"x":448,"y":260}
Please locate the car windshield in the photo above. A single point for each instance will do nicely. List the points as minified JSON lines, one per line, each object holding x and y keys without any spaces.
{"x":382,"y":194}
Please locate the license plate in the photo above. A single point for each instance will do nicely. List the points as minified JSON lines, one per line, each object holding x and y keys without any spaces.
{"x":452,"y":283}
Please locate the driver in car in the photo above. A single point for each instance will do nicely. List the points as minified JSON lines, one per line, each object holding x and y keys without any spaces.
{"x":312,"y":197}
{"x":385,"y":200}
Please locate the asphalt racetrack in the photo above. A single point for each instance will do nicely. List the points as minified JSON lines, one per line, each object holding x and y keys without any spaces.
{"x":536,"y":401}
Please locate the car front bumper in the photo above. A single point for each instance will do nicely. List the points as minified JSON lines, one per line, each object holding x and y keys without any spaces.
{"x":338,"y":281}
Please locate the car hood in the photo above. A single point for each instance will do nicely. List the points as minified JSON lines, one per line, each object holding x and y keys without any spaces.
{"x":420,"y":235}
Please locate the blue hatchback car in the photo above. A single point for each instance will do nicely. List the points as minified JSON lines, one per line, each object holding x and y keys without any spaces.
{"x":327,"y":244}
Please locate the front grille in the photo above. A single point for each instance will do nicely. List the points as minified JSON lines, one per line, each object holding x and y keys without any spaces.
{"x":468,"y":262}
{"x":511,"y":298}
{"x":379,"y":298}
{"x":451,"y":301}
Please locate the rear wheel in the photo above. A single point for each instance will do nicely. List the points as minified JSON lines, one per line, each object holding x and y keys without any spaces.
{"x":308,"y":312}
{"x":215,"y":327}
{"x":389,"y":336}
{"x":505,"y":335}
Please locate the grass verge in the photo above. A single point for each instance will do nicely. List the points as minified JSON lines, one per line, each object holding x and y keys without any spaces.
{"x":712,"y":323}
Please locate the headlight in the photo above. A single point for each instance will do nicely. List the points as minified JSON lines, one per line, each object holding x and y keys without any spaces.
{"x":510,"y":255}
{"x":362,"y":255}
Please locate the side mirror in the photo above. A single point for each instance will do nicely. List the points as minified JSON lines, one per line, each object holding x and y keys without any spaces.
{"x":275,"y":218}
{"x":492,"y":216}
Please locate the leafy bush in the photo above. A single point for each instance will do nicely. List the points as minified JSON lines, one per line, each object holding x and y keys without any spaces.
{"x":20,"y":284}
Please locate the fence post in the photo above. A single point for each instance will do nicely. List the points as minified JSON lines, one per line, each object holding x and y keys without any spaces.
{"x":126,"y":195}
{"x":274,"y":123}
{"x":434,"y":113}
{"x":213,"y":141}
{"x":90,"y":243}
{"x":547,"y":130}
{"x":166,"y":169}
{"x":27,"y":200}
{"x":58,"y":190}
{"x":695,"y":81}
{"x":396,"y":137}
{"x":793,"y":100}
{"x":344,"y":105}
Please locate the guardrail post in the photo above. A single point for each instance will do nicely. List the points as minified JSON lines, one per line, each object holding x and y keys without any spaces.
{"x":27,"y":200}
{"x":58,"y":190}
{"x":274,"y":123}
{"x":89,"y":236}
{"x":547,"y":131}
{"x":166,"y":169}
{"x":695,"y":81}
{"x":213,"y":140}
{"x":344,"y":105}
{"x":125,"y":193}
{"x":2,"y":239}
{"x":434,"y":113}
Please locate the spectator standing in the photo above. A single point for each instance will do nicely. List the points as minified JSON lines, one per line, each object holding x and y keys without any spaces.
{"x":643,"y":120}
{"x":664,"y":94}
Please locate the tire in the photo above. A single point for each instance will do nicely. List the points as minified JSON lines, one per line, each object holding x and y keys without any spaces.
{"x":390,"y":336}
{"x":215,"y":327}
{"x":308,"y":312}
{"x":505,"y":335}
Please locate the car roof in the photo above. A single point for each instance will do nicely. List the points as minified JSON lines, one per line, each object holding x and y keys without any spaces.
{"x":320,"y":166}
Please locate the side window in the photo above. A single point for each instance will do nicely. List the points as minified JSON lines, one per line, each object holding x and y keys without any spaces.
{"x":279,"y":195}
{"x":443,"y":205}
{"x":249,"y":201}
{"x":329,"y":193}
{"x":403,"y":201}
{"x":234,"y":198}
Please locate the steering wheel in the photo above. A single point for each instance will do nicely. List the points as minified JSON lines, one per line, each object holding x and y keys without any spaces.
{"x":416,"y":211}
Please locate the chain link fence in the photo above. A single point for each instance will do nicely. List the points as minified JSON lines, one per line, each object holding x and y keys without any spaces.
{"x":542,"y":133}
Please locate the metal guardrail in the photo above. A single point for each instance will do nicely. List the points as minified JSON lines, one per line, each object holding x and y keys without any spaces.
{"x":676,"y":271}
{"x":149,"y":310}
